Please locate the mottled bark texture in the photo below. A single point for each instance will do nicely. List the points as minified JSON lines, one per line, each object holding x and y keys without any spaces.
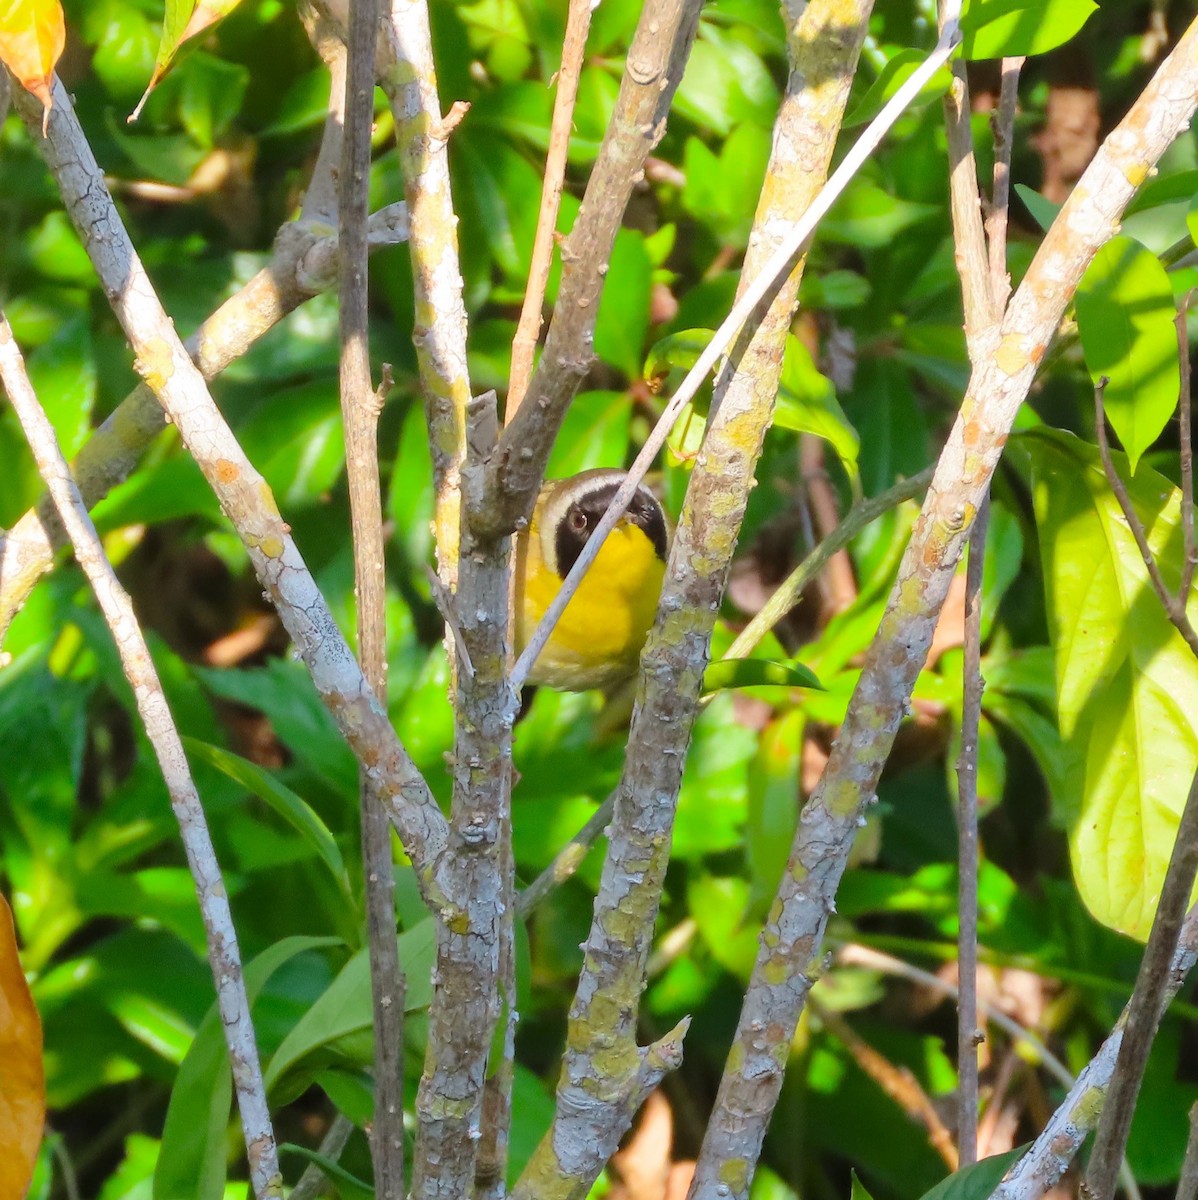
{"x":790,"y":943}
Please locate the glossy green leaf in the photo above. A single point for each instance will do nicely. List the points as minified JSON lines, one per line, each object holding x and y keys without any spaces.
{"x":676,"y":351}
{"x":594,"y":434}
{"x":807,"y":403}
{"x":293,"y":809}
{"x":1125,"y":313}
{"x":775,"y":797}
{"x":1008,"y":28}
{"x":348,"y":1185}
{"x":345,"y":1009}
{"x":1043,"y":210}
{"x":757,"y":672}
{"x":1127,"y":685}
{"x":978,"y":1181}
{"x":191,"y":1165}
{"x":898,"y":69}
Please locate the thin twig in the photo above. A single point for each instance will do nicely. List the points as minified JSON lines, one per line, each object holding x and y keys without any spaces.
{"x":567,"y":860}
{"x":1003,"y":125}
{"x":1147,"y":1004}
{"x":244,"y":495}
{"x":360,"y":408}
{"x":313,"y":1182}
{"x":524,"y":344}
{"x":1187,"y":1185}
{"x":764,"y":281}
{"x":1174,"y":606}
{"x":897,"y":1082}
{"x":223,"y":953}
{"x":788,"y":592}
{"x":1186,"y":451}
{"x":969,"y":1036}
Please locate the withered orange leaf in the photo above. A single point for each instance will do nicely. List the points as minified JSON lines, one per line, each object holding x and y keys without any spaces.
{"x":22,"y":1079}
{"x":32,"y":35}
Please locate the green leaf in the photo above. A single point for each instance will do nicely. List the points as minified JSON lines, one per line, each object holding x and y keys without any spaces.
{"x":977,"y":1181}
{"x":191,"y":1165}
{"x":345,"y":1008}
{"x":859,"y":1191}
{"x":593,"y":434}
{"x":349,"y":1187}
{"x":898,"y":69}
{"x":1127,"y":685}
{"x":1125,"y":313}
{"x":807,"y":403}
{"x":295,"y":810}
{"x":624,"y":305}
{"x":774,"y":799}
{"x":1043,"y":211}
{"x":757,"y":672}
{"x":1008,"y":28}
{"x":1192,"y":219}
{"x":677,"y":351}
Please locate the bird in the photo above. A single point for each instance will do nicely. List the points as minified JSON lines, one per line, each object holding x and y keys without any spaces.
{"x":598,"y":640}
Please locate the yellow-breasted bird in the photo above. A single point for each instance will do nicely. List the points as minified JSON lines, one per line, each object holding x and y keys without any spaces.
{"x":598,"y":641}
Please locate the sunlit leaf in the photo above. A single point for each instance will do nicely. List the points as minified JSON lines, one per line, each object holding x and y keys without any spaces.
{"x":898,"y":69}
{"x":191,"y":1165}
{"x":1043,"y":210}
{"x":1127,"y":685}
{"x":32,"y":36}
{"x":22,"y":1080}
{"x":1125,"y":313}
{"x":757,"y":672}
{"x":183,"y":19}
{"x":807,"y":403}
{"x":1007,"y":28}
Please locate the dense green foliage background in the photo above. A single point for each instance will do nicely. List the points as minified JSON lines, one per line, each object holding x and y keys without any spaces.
{"x":88,"y":847}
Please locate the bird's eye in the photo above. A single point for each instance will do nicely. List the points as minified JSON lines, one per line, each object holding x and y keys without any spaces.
{"x":578,"y":520}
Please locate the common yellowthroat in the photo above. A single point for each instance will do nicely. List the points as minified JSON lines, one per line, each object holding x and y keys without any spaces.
{"x":598,"y":641}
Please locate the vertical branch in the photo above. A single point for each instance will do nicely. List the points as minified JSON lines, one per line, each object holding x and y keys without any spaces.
{"x":224,"y":955}
{"x":789,"y":950}
{"x":360,"y":408}
{"x":969,"y":1036}
{"x":408,"y":76}
{"x":578,"y":24}
{"x":1148,"y":1000}
{"x":244,"y":495}
{"x":1186,"y":442}
{"x":475,"y":872}
{"x":1187,"y":1185}
{"x":1003,"y":125}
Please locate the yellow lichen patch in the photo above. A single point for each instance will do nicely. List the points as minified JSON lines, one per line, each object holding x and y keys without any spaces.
{"x":155,"y":364}
{"x":271,"y":546}
{"x":736,"y":1057}
{"x":777,"y":971}
{"x":1011,"y":356}
{"x":266,"y":498}
{"x":1136,"y":173}
{"x":735,"y":1174}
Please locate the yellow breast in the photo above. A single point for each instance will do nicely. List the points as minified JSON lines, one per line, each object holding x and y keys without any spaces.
{"x":598,"y":641}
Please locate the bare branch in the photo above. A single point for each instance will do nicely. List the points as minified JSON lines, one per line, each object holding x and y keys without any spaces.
{"x":1187,"y":1185}
{"x":408,"y":76}
{"x":223,"y":954}
{"x":1175,"y":607}
{"x":788,"y":592}
{"x":1043,"y":1166}
{"x":360,"y":408}
{"x":764,"y":282}
{"x":578,"y":24}
{"x":1003,"y":125}
{"x":1147,"y":1005}
{"x":969,"y":1036}
{"x":244,"y":495}
{"x":652,"y":72}
{"x":312,"y":1182}
{"x":304,"y":263}
{"x":790,"y":945}
{"x":476,"y":873}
